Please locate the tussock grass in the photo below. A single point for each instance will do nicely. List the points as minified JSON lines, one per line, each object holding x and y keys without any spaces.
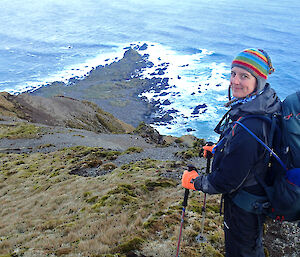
{"x":20,"y":130}
{"x":46,"y":211}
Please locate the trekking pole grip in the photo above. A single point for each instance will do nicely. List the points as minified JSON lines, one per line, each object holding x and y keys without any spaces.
{"x":209,"y":156}
{"x":208,"y":161}
{"x":186,"y":192}
{"x":185,"y":199}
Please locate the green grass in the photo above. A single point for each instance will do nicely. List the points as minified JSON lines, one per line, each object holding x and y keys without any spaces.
{"x":20,"y":130}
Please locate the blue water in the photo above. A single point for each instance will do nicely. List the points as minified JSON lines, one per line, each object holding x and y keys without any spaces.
{"x":44,"y":41}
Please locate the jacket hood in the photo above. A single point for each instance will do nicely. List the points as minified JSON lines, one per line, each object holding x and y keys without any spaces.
{"x":264,"y":104}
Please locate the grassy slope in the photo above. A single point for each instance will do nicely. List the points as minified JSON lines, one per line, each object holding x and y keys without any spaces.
{"x":60,"y":111}
{"x":47,"y":211}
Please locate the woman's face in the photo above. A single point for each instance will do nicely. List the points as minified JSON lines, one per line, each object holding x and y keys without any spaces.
{"x":242,"y":82}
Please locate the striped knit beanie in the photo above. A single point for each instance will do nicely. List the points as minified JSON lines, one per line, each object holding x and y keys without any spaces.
{"x":257,"y":62}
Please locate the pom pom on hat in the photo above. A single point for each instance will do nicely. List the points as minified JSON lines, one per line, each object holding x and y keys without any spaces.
{"x":257,"y":62}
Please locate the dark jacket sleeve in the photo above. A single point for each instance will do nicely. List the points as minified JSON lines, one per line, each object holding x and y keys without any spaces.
{"x":235,"y":159}
{"x":201,"y":183}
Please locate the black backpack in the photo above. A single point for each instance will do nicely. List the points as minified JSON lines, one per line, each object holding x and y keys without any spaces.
{"x":282,"y":200}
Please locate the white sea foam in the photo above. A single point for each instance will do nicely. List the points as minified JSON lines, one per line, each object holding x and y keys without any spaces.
{"x":193,"y":81}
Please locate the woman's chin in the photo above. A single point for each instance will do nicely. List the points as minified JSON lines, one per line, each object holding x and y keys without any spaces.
{"x":237,"y":95}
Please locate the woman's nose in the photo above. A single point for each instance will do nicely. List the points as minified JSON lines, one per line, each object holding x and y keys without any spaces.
{"x":235,"y":79}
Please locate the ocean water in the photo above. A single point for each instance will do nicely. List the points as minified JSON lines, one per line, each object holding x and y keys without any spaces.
{"x":192,"y":42}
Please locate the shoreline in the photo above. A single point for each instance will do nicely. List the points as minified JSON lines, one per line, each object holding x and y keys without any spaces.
{"x":115,"y":88}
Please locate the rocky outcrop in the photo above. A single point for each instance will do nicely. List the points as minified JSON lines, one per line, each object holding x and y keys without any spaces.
{"x":151,"y":134}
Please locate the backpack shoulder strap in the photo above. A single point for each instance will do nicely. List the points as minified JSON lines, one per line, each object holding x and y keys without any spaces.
{"x":242,"y":198}
{"x":273,"y":124}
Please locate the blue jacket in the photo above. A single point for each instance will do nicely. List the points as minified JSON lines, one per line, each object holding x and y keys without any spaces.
{"x":239,"y":153}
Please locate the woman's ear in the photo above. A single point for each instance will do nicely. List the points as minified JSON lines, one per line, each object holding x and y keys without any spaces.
{"x":256,"y":87}
{"x":229,"y":92}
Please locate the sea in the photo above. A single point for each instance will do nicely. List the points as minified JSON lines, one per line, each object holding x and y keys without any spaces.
{"x":191,"y":43}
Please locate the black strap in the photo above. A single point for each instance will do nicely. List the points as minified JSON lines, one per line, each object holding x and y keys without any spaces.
{"x":225,"y":117}
{"x":270,"y":140}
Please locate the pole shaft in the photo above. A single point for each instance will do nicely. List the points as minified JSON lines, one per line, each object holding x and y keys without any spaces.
{"x":184,"y":204}
{"x":209,"y":155}
{"x":180,"y":232}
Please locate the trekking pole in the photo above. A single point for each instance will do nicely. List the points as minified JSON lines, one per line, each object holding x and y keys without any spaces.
{"x":184,"y":204}
{"x":201,"y":238}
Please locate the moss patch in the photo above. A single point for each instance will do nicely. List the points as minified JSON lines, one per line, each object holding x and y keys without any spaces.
{"x":129,"y":246}
{"x":160,"y":182}
{"x":20,"y":130}
{"x":133,"y":149}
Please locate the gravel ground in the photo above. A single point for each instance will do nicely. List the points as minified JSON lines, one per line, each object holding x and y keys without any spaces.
{"x":56,"y":138}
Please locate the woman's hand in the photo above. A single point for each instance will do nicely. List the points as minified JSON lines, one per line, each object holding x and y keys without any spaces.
{"x":188,"y":178}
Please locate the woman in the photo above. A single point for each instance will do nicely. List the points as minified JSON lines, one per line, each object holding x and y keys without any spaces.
{"x":238,"y":155}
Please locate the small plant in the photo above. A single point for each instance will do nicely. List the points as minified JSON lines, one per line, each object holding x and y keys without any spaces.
{"x":160,"y":182}
{"x":109,"y":166}
{"x":45,"y":146}
{"x":131,"y":245}
{"x":93,"y":199}
{"x":133,"y":149}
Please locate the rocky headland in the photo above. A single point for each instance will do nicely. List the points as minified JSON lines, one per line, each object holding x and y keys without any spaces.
{"x":115,"y":88}
{"x":82,"y":174}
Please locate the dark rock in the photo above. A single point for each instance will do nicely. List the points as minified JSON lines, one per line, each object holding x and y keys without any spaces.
{"x":281,"y":238}
{"x":165,"y":81}
{"x":159,"y":71}
{"x":143,"y":47}
{"x":172,"y":111}
{"x":150,"y":64}
{"x":164,"y":64}
{"x":198,"y":107}
{"x":166,"y":102}
{"x":146,"y":131}
{"x":154,"y":102}
{"x":164,"y":93}
{"x":190,"y":129}
{"x":164,"y":119}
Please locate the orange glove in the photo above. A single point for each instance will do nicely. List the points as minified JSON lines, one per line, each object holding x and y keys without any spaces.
{"x":187,"y":180}
{"x":208,"y":150}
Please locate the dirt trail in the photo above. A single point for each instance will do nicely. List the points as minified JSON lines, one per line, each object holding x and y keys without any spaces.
{"x":56,"y":138}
